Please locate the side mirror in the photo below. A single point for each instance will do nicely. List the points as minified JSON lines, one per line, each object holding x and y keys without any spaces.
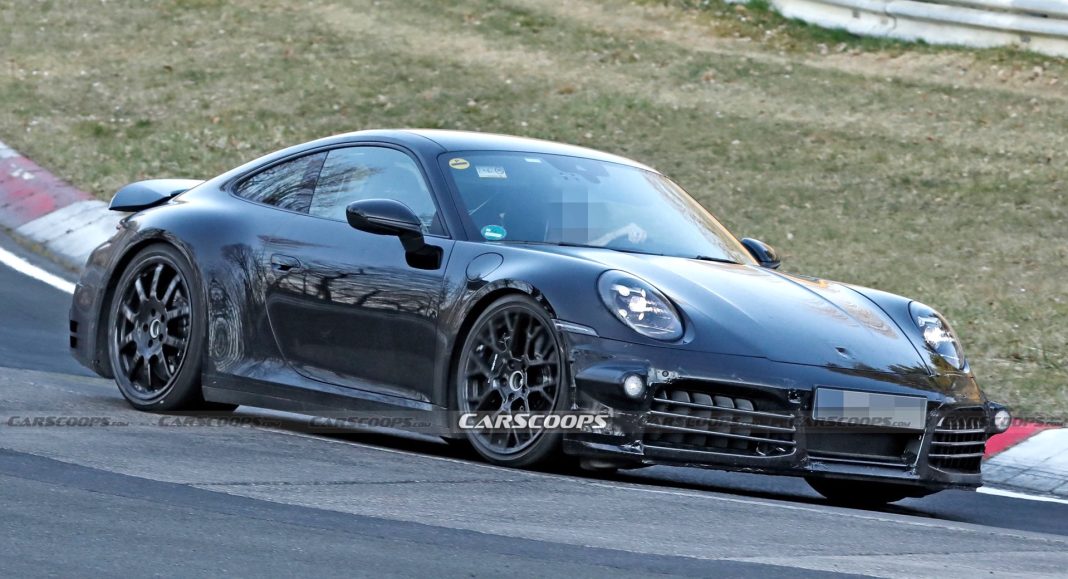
{"x":383,"y":217}
{"x":762,"y":252}
{"x":389,"y":217}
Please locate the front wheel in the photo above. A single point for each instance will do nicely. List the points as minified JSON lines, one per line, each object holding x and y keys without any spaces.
{"x":512,"y":363}
{"x":864,"y":494}
{"x":156,"y":333}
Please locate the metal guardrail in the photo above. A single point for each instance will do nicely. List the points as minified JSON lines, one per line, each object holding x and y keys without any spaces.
{"x":1039,"y":25}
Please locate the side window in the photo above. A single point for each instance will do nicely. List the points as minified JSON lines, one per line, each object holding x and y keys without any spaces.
{"x":357,"y":173}
{"x":288,"y":185}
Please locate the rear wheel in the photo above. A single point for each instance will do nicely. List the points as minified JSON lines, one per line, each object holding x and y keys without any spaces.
{"x":511,"y":363}
{"x":864,"y":494}
{"x":156,"y":333}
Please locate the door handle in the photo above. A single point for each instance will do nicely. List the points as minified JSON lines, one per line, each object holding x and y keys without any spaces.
{"x":284,"y":263}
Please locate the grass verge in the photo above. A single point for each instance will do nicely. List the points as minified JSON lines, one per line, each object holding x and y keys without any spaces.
{"x":932,"y":172}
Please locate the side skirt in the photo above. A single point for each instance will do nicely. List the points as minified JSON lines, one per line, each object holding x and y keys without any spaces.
{"x":294,"y":393}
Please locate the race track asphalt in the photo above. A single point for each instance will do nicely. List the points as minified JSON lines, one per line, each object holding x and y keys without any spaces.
{"x":261,"y":496}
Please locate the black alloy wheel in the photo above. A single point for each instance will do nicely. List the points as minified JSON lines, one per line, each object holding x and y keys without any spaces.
{"x":512,"y":362}
{"x":156,"y":333}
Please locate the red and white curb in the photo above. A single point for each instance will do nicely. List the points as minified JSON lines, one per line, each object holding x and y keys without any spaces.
{"x":1031,"y":458}
{"x":39,"y":208}
{"x":68,"y":224}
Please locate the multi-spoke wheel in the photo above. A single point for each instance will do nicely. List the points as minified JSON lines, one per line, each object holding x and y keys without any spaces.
{"x":156,"y":333}
{"x":512,"y":363}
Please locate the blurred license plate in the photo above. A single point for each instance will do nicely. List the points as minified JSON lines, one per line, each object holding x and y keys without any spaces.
{"x":870,"y":409}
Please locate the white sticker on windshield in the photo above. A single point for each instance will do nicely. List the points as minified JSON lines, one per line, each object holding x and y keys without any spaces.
{"x":489,"y":172}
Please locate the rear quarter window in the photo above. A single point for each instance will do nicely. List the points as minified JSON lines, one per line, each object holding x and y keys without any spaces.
{"x":287,"y":185}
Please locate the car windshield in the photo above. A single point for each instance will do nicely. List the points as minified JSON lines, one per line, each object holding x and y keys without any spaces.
{"x":562,"y":200}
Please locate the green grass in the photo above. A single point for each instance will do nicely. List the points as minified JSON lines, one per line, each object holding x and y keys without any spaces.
{"x":932,"y":172}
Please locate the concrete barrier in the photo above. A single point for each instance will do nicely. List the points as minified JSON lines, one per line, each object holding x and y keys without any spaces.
{"x":1039,"y":25}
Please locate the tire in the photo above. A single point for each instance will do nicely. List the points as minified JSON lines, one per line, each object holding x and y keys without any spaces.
{"x":864,"y":494}
{"x":157,"y":332}
{"x":494,"y":374}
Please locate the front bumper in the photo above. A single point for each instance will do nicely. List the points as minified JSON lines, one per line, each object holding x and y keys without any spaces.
{"x":755,"y":415}
{"x":87,"y":318}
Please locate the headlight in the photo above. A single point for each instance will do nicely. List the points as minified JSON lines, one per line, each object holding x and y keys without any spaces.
{"x":640,"y":306}
{"x":937,"y":334}
{"x":1002,"y":420}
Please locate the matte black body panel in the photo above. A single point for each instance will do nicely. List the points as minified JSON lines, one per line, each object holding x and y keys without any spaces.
{"x":310,"y":314}
{"x":353,"y":313}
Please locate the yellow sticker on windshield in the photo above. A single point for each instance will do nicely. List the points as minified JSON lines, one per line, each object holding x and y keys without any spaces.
{"x":459,"y":163}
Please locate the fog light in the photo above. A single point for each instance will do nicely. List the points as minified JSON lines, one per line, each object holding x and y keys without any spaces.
{"x":634,"y":386}
{"x":1002,"y":420}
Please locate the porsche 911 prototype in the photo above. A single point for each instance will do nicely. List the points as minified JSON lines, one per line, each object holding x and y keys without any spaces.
{"x":483,"y":276}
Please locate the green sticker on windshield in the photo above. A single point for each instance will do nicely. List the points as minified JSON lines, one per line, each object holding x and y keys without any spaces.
{"x":493,"y":232}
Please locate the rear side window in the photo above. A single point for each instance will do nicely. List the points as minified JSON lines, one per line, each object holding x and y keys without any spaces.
{"x":287,"y":185}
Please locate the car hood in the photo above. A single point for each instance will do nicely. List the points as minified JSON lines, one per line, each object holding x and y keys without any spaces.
{"x":752,"y":311}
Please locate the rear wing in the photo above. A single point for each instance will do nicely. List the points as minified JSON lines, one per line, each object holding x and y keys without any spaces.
{"x":145,"y":194}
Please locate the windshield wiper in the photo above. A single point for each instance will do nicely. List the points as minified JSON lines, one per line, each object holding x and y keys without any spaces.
{"x":572,"y":244}
{"x":619,"y":249}
{"x":715,"y":259}
{"x":610,"y":248}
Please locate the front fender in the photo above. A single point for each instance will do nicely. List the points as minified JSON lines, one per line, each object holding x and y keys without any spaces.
{"x":92,"y":294}
{"x":479,"y":273}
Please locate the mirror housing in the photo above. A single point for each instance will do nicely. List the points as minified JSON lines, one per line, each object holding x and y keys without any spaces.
{"x":383,"y":217}
{"x":390,"y":217}
{"x":762,"y":252}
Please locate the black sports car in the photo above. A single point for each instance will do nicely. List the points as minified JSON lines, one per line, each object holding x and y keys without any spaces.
{"x":475,"y":275}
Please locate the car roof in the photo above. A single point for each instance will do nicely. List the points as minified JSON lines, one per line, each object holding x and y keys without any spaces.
{"x":475,"y":141}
